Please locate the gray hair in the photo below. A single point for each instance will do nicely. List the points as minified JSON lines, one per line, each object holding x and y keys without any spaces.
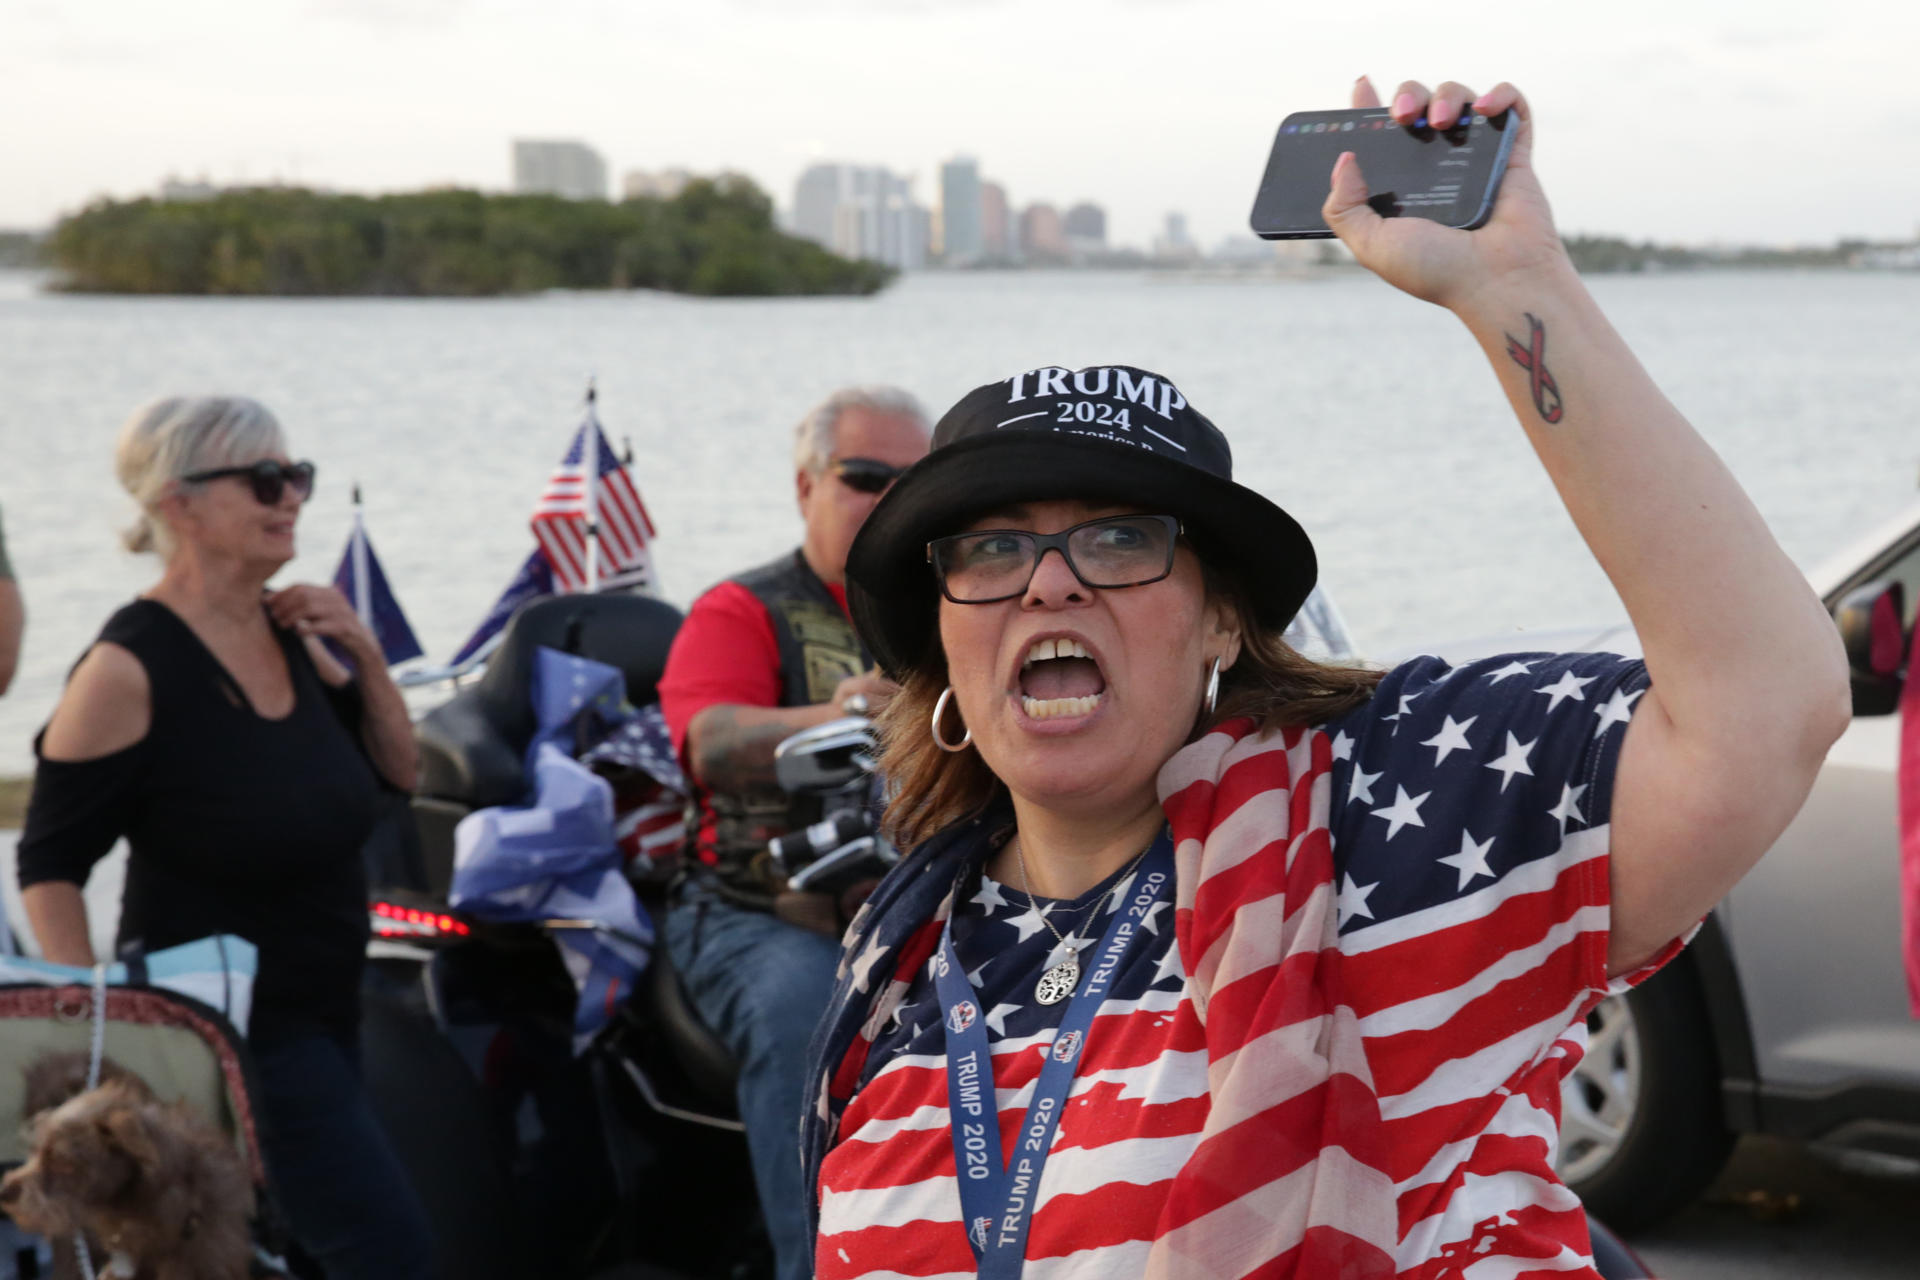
{"x":168,"y":440}
{"x":813,"y":438}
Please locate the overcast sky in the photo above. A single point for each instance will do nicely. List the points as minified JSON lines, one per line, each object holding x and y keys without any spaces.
{"x":1680,"y":120}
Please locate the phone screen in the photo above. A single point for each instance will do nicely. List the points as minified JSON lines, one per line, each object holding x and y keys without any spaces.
{"x":1413,"y":171}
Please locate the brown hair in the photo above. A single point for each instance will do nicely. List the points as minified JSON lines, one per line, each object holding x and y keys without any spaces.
{"x":933,"y":789}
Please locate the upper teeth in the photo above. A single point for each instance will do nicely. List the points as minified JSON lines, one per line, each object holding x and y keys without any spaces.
{"x":1062,"y":648}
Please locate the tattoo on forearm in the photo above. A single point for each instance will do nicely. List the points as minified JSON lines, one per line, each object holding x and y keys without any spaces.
{"x":730,"y":756}
{"x":1532,"y":356}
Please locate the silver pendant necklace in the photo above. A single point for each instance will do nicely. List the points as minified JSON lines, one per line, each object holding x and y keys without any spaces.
{"x":1062,"y":979}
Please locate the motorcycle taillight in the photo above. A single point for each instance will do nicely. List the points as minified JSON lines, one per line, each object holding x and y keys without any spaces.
{"x":395,"y":921}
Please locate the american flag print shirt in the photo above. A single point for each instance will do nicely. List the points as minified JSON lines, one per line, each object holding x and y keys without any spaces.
{"x":1468,"y":814}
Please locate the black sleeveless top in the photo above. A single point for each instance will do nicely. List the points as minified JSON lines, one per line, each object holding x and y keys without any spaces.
{"x":236,"y":823}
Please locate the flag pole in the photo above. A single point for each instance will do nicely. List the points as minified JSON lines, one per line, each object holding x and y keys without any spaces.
{"x":590,"y":459}
{"x":362,"y":579}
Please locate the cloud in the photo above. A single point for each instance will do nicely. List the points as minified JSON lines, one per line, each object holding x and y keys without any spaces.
{"x":401,"y":13}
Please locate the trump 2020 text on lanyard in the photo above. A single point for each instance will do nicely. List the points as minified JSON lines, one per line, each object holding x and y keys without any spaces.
{"x":997,"y":1199}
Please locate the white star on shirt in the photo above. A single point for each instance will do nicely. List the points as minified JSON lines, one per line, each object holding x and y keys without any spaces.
{"x":863,"y":967}
{"x":1472,"y":858}
{"x":1569,"y":806}
{"x":1361,"y":787}
{"x":1567,"y":686}
{"x":1070,"y":946}
{"x":1353,"y":900}
{"x":1404,"y":811}
{"x":1618,"y":710}
{"x":989,"y":894}
{"x":1118,"y":895}
{"x":1029,"y":922}
{"x":1451,"y":738}
{"x":1342,"y":746}
{"x":997,"y":1019}
{"x":1169,"y":964}
{"x":973,"y":975}
{"x":1406,"y":701}
{"x":1515,"y":761}
{"x":1148,"y":922}
{"x":1514,"y":668}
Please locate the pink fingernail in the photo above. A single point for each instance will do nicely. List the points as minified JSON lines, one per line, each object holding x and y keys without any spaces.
{"x":1404,"y":105}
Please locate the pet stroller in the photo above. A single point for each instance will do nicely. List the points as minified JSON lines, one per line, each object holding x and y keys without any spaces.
{"x":174,"y":1018}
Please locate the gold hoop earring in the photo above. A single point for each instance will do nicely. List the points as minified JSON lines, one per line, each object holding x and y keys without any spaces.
{"x":1213,"y":687}
{"x":939,"y":709}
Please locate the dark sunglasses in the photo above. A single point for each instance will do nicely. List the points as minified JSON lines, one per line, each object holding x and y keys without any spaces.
{"x":998,"y":564}
{"x":865,"y":475}
{"x":268,"y":479}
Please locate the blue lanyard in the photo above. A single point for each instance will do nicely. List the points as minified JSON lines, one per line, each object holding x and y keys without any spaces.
{"x":997,"y":1199}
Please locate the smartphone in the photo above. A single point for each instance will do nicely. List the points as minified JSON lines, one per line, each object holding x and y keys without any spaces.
{"x":1414,"y":171}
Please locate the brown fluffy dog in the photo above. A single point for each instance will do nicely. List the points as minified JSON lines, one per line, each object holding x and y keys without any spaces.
{"x":163,"y":1194}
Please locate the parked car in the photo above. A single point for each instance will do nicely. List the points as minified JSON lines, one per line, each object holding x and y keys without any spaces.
{"x":1788,"y":1014}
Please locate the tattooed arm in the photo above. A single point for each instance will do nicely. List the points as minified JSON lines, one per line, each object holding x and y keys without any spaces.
{"x":730,"y":747}
{"x":1749,"y":682}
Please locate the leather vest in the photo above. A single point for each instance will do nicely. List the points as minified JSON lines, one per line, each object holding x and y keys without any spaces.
{"x":818,"y":649}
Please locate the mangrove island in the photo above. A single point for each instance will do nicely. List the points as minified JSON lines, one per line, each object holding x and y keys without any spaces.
{"x":716,"y":238}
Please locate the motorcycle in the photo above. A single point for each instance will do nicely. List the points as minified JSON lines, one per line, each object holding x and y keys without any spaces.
{"x":626,"y":1160}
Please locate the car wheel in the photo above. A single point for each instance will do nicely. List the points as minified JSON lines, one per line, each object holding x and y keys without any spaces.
{"x":1641,"y":1133}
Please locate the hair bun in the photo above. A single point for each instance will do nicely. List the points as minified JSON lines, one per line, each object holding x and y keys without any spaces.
{"x":138,"y":536}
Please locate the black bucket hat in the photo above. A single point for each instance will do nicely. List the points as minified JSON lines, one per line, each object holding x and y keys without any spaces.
{"x":1109,"y":433}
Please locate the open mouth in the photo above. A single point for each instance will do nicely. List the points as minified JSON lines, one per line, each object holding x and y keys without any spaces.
{"x":1060,"y":678}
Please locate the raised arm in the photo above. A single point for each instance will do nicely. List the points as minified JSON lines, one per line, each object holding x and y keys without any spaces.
{"x":1749,"y":680}
{"x":322,"y":613}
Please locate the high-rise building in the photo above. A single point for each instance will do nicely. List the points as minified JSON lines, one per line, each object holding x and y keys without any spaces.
{"x":1043,"y":237}
{"x":997,"y":240}
{"x":1086,"y":228}
{"x":861,"y":212}
{"x":558,"y":168}
{"x":816,"y":195}
{"x":655,"y":184}
{"x":1174,"y":242}
{"x":962,"y":240}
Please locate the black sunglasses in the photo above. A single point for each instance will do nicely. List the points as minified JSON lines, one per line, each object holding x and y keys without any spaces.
{"x":998,"y":564}
{"x":268,"y":479}
{"x":865,"y":475}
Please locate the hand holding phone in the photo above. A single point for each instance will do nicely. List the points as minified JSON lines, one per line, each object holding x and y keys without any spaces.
{"x":1419,"y":255}
{"x":1450,"y":176}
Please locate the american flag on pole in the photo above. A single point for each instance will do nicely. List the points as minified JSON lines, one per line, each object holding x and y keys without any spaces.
{"x":624,"y":531}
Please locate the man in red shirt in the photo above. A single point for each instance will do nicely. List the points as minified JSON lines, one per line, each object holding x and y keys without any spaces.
{"x":760,"y":657}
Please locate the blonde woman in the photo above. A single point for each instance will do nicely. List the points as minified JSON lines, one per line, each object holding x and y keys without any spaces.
{"x":209,"y":727}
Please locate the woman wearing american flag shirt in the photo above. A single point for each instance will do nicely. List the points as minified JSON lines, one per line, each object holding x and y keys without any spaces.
{"x":1213,"y":961}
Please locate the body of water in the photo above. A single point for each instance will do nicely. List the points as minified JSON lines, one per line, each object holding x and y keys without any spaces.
{"x":1371,"y":416}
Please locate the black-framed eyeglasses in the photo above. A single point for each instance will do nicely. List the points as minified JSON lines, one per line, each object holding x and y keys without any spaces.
{"x":268,"y":479}
{"x":997,"y":564}
{"x":865,"y":475}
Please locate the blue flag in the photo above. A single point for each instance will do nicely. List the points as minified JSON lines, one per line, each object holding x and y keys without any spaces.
{"x":364,"y":583}
{"x":558,"y":855}
{"x":535,"y":579}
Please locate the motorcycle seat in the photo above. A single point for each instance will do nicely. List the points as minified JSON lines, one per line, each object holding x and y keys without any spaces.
{"x":472,"y":747}
{"x":709,"y":1066}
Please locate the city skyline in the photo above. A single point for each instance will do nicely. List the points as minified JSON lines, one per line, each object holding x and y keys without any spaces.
{"x":1755,"y":123}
